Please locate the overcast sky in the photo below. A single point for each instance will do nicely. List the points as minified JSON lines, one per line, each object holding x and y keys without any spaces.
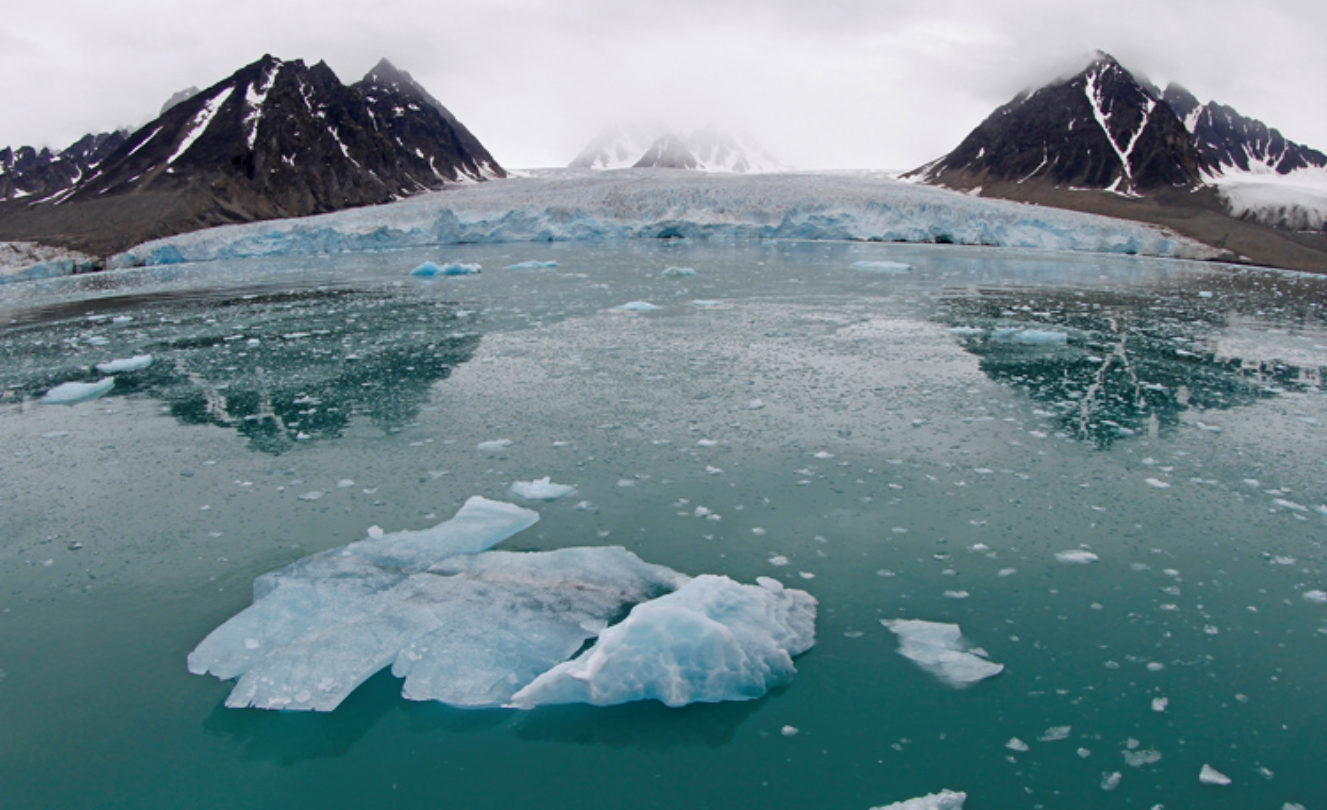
{"x":820,"y":83}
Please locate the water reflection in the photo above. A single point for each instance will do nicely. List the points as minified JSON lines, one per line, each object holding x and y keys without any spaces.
{"x":279,"y":367}
{"x":1111,"y":364}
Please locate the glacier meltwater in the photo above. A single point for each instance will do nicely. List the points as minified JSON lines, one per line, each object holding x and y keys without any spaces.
{"x":476,"y":628}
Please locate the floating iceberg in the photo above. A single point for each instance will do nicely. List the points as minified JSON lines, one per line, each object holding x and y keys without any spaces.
{"x":429,"y":269}
{"x":564,"y":205}
{"x":71,"y":393}
{"x":135,"y":363}
{"x":939,"y":649}
{"x":475,"y":628}
{"x":541,"y":489}
{"x":711,"y":640}
{"x":533,"y":264}
{"x":1211,"y":776}
{"x":678,"y":272}
{"x":944,"y":800}
{"x":1077,"y":556}
{"x":892,"y":268}
{"x":637,"y":306}
{"x":1030,"y":337}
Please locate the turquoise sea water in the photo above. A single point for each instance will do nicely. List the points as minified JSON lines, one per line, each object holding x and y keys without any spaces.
{"x":901,"y":444}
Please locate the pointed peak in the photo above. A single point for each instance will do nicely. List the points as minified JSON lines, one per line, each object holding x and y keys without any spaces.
{"x":385,"y":74}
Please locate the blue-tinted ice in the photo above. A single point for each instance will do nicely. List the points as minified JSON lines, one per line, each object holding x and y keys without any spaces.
{"x":473,"y":627}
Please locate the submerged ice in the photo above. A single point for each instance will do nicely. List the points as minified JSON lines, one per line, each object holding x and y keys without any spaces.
{"x":473,"y":627}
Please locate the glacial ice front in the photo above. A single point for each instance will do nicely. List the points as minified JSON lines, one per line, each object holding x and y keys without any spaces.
{"x":478,"y":628}
{"x":566,"y":205}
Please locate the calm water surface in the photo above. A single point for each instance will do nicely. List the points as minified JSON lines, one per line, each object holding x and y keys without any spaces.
{"x":911,"y":444}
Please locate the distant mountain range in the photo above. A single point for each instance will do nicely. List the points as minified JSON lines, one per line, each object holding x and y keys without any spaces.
{"x":1105,"y":128}
{"x":653,"y":145}
{"x":275,"y":139}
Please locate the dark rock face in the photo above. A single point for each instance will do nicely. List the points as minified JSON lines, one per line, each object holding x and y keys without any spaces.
{"x":1228,"y":141}
{"x":275,"y":139}
{"x":1101,"y":128}
{"x":26,"y":172}
{"x":668,"y":152}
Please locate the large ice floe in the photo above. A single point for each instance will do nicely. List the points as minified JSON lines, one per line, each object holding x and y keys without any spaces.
{"x":569,"y":205}
{"x":472,"y":627}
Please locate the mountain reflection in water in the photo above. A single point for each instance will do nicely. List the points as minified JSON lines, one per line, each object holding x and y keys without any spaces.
{"x":1128,"y":363}
{"x":276,"y":366}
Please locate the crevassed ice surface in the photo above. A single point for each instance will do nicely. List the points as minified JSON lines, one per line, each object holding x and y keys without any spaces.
{"x":878,"y":440}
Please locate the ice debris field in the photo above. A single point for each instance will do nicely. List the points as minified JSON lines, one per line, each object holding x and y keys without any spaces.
{"x":567,"y":205}
{"x":477,"y":628}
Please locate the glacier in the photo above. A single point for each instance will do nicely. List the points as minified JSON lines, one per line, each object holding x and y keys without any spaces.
{"x":580,"y":205}
{"x":472,"y":627}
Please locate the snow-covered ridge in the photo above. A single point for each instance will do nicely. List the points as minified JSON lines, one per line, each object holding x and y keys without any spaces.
{"x":574,"y":205}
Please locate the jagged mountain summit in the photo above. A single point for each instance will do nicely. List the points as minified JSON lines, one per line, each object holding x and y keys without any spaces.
{"x":1101,"y":128}
{"x":275,"y":139}
{"x":1230,"y":142}
{"x":654,"y":145}
{"x":27,"y":172}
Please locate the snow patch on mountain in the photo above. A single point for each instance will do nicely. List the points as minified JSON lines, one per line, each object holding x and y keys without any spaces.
{"x":1297,"y":200}
{"x":652,"y":144}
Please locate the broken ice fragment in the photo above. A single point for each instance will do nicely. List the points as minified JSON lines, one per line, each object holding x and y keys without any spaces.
{"x":541,"y":489}
{"x":533,"y":264}
{"x":892,"y":268}
{"x":494,"y":446}
{"x":135,"y":363}
{"x":939,"y":649}
{"x":944,"y":800}
{"x":1016,"y":744}
{"x":711,"y":640}
{"x":1211,"y":776}
{"x":637,"y":306}
{"x":1076,"y":556}
{"x":1055,"y":733}
{"x":429,"y":269}
{"x":1318,"y":597}
{"x":678,"y":272}
{"x":71,"y":393}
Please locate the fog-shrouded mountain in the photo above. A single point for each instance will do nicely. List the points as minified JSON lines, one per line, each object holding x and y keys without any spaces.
{"x":654,"y":145}
{"x":1228,"y":141}
{"x":1101,"y":128}
{"x":275,"y":139}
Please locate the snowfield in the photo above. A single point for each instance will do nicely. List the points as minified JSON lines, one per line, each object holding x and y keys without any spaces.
{"x":571,"y":205}
{"x":1297,"y":201}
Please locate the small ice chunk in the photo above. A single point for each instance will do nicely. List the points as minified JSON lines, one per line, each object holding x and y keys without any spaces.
{"x":135,"y":363}
{"x":944,"y":800}
{"x":1211,"y":776}
{"x":678,"y":272}
{"x":755,"y":405}
{"x":541,"y":489}
{"x":1016,"y":744}
{"x":1111,"y":780}
{"x":637,"y":306}
{"x":1137,"y":759}
{"x":1055,"y":733}
{"x":1159,"y":704}
{"x":1076,"y":556}
{"x":72,"y":393}
{"x":778,"y":561}
{"x":1317,"y":597}
{"x":711,"y":640}
{"x":957,"y":594}
{"x":1158,"y":483}
{"x":533,"y":264}
{"x":892,"y":268}
{"x":939,"y":649}
{"x":494,"y":445}
{"x":311,"y":496}
{"x":429,"y":269}
{"x":789,"y":731}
